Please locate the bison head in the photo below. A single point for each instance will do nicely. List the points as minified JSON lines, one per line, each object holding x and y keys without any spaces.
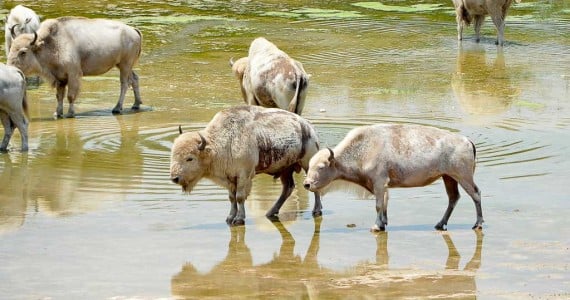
{"x":322,"y":170}
{"x":23,"y":53}
{"x":189,"y":160}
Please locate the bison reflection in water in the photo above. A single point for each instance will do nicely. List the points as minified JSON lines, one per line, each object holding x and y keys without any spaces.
{"x":65,"y":49}
{"x":292,"y":276}
{"x":483,"y":88}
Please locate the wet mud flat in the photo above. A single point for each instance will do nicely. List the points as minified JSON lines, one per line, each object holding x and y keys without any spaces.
{"x":90,"y":213}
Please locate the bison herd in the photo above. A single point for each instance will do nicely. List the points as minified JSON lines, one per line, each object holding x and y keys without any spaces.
{"x":266,"y":136}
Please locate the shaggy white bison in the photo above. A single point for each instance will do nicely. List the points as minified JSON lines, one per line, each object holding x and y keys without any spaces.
{"x":270,"y":78}
{"x":468,"y":10}
{"x":379,"y":157}
{"x":239,"y":143}
{"x":13,"y":105}
{"x":65,"y":49}
{"x":20,"y":20}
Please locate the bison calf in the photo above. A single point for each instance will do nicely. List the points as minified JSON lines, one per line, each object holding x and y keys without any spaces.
{"x":239,"y":143}
{"x":379,"y":157}
{"x":270,"y":78}
{"x":468,"y":10}
{"x":65,"y":49}
{"x":13,"y":105}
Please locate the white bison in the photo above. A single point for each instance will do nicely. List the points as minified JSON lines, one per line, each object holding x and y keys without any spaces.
{"x":20,"y":20}
{"x":468,"y":10}
{"x":270,"y":78}
{"x":65,"y":49}
{"x":379,"y":157}
{"x":239,"y":143}
{"x":13,"y":105}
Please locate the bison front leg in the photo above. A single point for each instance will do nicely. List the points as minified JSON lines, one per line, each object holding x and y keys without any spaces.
{"x":241,"y":188}
{"x":381,"y":194}
{"x":59,"y":94}
{"x":233,"y":203}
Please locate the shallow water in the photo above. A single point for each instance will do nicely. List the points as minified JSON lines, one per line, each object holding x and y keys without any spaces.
{"x":90,"y":212}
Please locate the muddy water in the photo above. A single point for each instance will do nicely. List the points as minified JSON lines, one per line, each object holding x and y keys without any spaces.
{"x":89,"y":212}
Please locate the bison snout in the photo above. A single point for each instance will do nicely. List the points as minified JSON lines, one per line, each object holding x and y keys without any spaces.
{"x":307,"y":186}
{"x":175,"y":179}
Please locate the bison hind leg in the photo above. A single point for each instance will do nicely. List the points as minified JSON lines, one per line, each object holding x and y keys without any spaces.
{"x":288,"y":185}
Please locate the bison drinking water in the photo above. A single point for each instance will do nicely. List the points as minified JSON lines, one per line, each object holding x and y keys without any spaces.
{"x":379,"y":157}
{"x":239,"y":143}
{"x":65,"y":49}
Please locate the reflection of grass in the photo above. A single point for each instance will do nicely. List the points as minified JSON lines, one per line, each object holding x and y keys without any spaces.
{"x":528,"y":104}
{"x":395,"y":8}
{"x":315,"y":13}
{"x":170,"y":19}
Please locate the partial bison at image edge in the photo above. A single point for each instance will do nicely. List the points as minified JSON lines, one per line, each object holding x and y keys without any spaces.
{"x":379,"y":157}
{"x":65,"y":49}
{"x":240,"y":142}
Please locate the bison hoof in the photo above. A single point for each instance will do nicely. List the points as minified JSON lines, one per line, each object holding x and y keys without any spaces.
{"x":238,"y":222}
{"x":135,"y":107}
{"x":317,"y":213}
{"x":116,"y":112}
{"x":440,"y":227}
{"x":477,"y":227}
{"x":376,"y":228}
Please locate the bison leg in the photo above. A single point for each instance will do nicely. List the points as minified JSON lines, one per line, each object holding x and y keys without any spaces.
{"x":471,"y":188}
{"x":478,"y":23}
{"x":288,"y":185}
{"x":8,"y":130}
{"x":452,"y":190}
{"x":499,"y":21}
{"x":233,"y":204}
{"x":317,"y":209}
{"x":134,"y":81}
{"x":72,"y":92}
{"x":381,"y":193}
{"x":124,"y":74}
{"x":60,"y":93}
{"x":22,"y":124}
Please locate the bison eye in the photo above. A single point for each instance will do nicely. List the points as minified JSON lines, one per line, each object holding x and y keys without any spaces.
{"x":22,"y":54}
{"x":190,"y":159}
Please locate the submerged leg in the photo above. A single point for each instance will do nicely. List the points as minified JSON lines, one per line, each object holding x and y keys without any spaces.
{"x":318,"y":208}
{"x":451,"y":187}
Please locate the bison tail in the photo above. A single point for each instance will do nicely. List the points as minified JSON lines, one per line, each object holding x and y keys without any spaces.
{"x":294,"y":104}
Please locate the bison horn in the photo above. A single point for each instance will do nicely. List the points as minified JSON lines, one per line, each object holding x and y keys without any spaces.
{"x":202,"y":145}
{"x":232,"y":62}
{"x":331,"y":157}
{"x":180,"y":129}
{"x":35,"y":38}
{"x":12,"y":31}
